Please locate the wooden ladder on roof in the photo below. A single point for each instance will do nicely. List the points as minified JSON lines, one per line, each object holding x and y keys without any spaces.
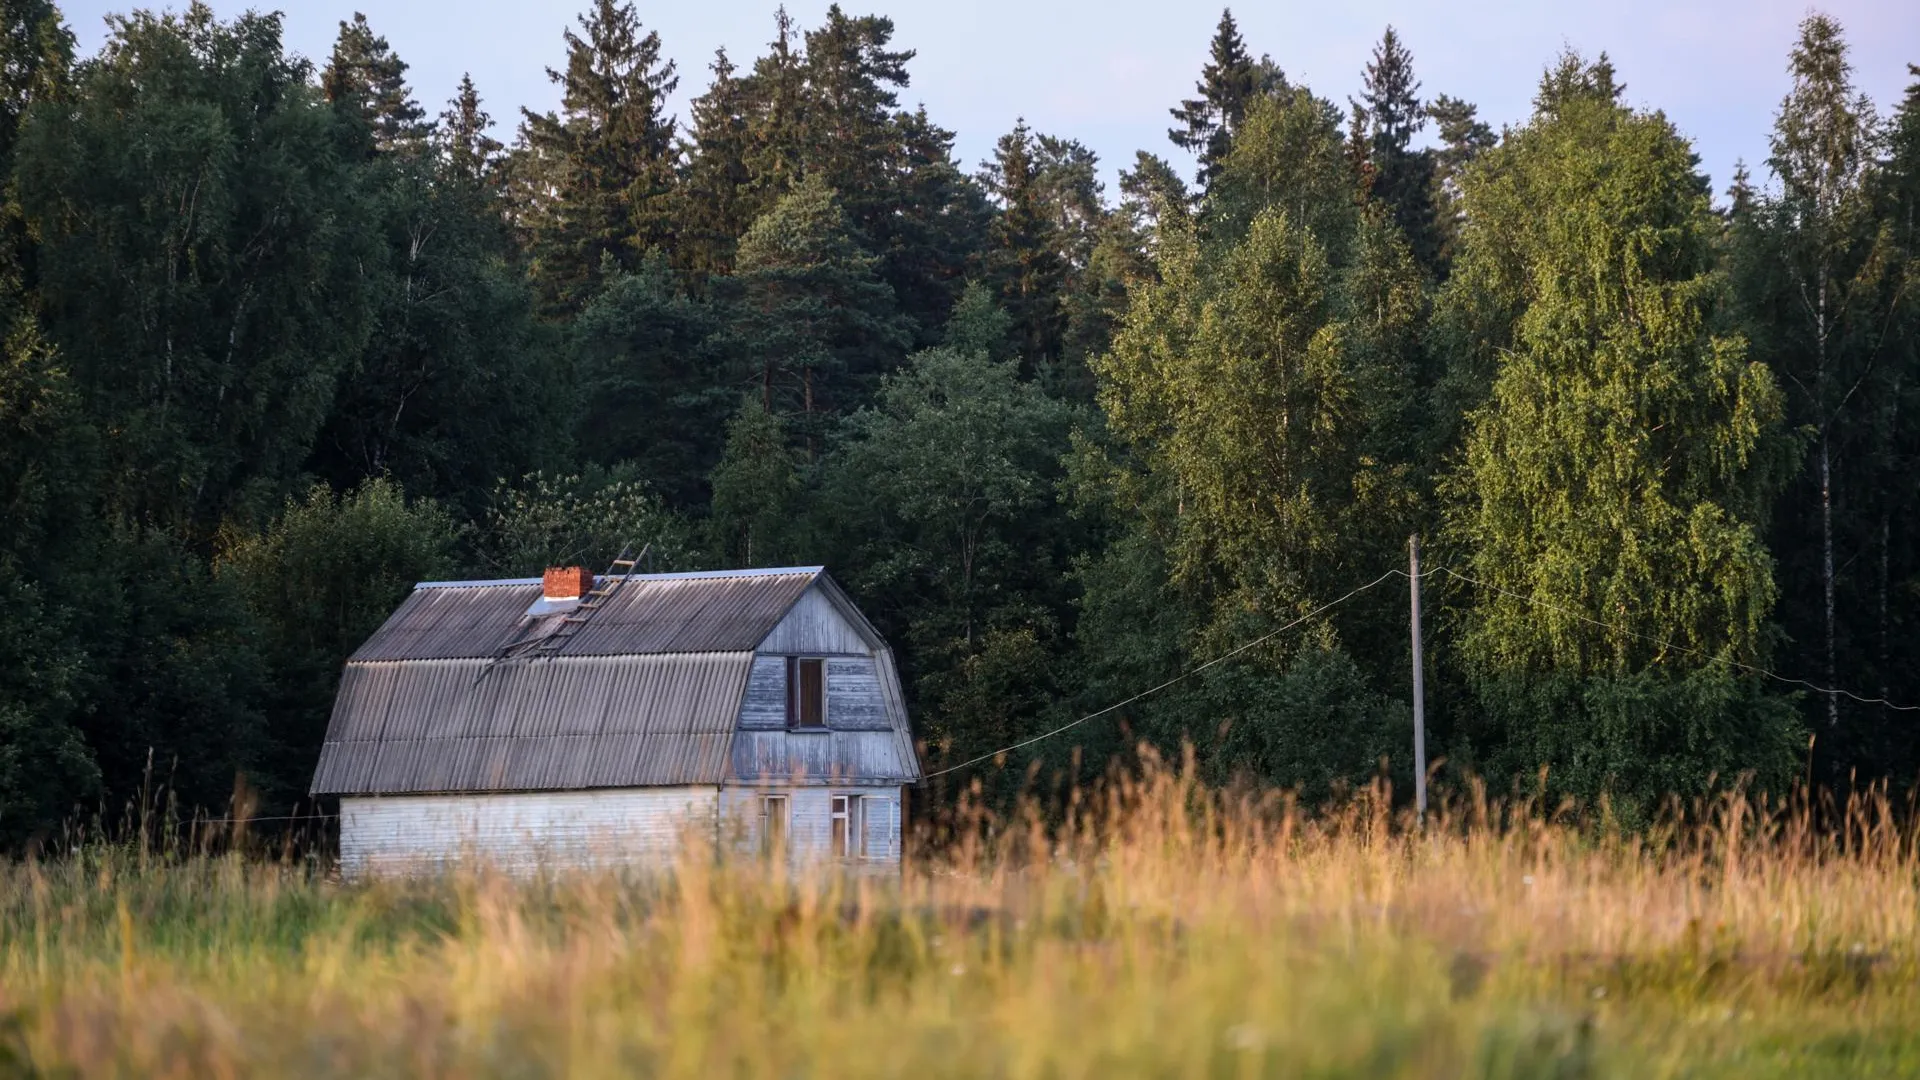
{"x":622,"y":569}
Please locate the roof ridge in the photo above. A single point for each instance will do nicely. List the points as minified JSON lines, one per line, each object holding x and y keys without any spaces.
{"x":681,"y":575}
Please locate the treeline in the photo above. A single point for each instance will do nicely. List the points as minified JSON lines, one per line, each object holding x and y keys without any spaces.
{"x":280,"y":341}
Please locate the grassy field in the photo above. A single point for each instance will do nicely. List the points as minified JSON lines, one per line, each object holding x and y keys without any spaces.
{"x":1170,"y":932}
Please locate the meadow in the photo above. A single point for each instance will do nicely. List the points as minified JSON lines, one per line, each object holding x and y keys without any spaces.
{"x":1158,"y":928}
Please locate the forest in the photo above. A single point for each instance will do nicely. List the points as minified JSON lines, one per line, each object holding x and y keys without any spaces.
{"x":282,"y":338}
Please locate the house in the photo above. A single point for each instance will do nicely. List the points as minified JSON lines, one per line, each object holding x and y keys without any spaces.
{"x":560,"y":720}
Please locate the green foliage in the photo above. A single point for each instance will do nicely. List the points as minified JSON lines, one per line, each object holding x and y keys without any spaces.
{"x":1641,"y":737}
{"x":1612,"y":492}
{"x":649,"y":375}
{"x":47,"y":771}
{"x":580,"y":519}
{"x":937,"y":490}
{"x":1286,"y":157}
{"x":1063,"y":447}
{"x":757,"y":489}
{"x":1229,"y":82}
{"x":1257,"y":396}
{"x":175,"y":676}
{"x":1401,"y":176}
{"x":1314,"y":725}
{"x":941,"y":503}
{"x":457,"y":384}
{"x":596,"y":178}
{"x":199,"y":261}
{"x":1826,"y":292}
{"x":366,"y":83}
{"x":809,"y":318}
{"x":318,"y":581}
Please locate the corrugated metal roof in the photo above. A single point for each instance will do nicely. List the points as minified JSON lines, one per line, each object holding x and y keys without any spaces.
{"x":541,"y":724}
{"x":726,"y":611}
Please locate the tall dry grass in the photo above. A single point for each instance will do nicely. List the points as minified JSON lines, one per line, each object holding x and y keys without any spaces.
{"x":1164,"y":929}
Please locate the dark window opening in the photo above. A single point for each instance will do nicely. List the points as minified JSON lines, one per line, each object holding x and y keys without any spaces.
{"x":773,"y":824}
{"x":806,"y":693}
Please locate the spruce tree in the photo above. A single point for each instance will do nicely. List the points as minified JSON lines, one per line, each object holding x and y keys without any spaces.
{"x":366,"y":82}
{"x":715,"y":199}
{"x":1228,"y":82}
{"x":1023,"y":255}
{"x":473,"y":155}
{"x":1400,"y":176}
{"x":601,"y":170}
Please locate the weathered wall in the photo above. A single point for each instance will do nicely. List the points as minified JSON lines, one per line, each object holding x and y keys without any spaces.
{"x":810,"y":823}
{"x":525,"y":831}
{"x":815,"y":627}
{"x":854,"y":698}
{"x":521,"y":830}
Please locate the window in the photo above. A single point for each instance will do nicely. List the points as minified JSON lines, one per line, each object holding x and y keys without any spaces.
{"x":773,"y":824}
{"x":849,"y":818}
{"x":806,"y":694}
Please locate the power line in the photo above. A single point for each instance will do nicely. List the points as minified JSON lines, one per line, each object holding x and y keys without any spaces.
{"x":1176,"y":679}
{"x":1754,"y":669}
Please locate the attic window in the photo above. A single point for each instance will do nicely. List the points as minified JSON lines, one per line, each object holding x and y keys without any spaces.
{"x":806,"y":694}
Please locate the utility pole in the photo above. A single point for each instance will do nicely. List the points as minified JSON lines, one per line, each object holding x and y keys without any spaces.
{"x":1419,"y":684}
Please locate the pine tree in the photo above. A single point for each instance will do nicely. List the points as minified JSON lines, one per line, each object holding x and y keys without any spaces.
{"x":1463,"y":138}
{"x":847,"y":128}
{"x":601,"y":171}
{"x":1402,"y":177}
{"x":473,"y":155}
{"x":366,"y":82}
{"x":808,"y":319}
{"x":1228,"y":82}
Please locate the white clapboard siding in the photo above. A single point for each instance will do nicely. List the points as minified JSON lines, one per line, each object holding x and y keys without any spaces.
{"x":522,"y":830}
{"x":816,"y":626}
{"x":810,"y":821}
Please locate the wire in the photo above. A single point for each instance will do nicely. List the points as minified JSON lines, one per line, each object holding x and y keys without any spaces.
{"x":1176,"y":679}
{"x":1682,"y":648}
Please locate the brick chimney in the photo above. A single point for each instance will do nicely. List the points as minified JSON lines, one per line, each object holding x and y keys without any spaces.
{"x":566,"y":582}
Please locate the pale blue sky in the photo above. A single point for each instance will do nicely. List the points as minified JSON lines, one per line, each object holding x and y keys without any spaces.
{"x":1106,"y":72}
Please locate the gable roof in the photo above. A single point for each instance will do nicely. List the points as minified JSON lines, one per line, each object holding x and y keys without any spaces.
{"x":648,"y":614}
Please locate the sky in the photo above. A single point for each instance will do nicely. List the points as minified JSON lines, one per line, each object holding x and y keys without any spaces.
{"x":1106,"y":71}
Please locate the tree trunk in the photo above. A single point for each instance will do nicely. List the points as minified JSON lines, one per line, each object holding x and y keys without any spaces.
{"x":1826,"y":504}
{"x":1826,"y":575}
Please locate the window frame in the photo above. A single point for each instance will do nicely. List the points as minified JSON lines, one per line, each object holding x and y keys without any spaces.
{"x":843,"y":843}
{"x":848,"y":815}
{"x":796,"y":711}
{"x":776,"y":829}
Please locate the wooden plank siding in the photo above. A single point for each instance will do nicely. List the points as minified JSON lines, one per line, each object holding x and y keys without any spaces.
{"x":814,"y":626}
{"x":522,"y":830}
{"x":810,"y":821}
